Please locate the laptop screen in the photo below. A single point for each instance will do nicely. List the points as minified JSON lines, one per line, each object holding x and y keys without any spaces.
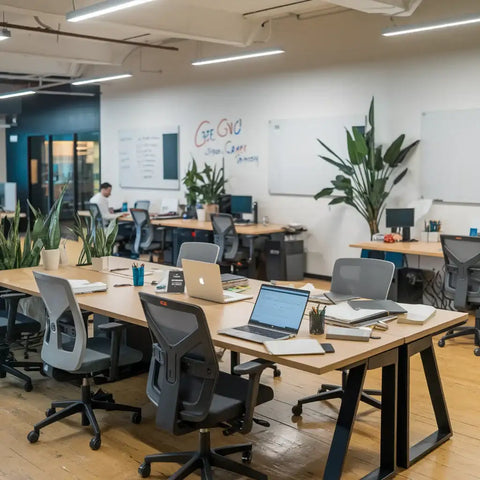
{"x":280,"y":307}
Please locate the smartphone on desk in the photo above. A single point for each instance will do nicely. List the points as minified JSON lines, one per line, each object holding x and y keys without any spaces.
{"x":328,"y":347}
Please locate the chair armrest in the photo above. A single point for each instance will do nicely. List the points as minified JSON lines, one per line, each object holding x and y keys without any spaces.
{"x":11,"y":301}
{"x":13,"y":295}
{"x":116,"y":330}
{"x":253,"y":366}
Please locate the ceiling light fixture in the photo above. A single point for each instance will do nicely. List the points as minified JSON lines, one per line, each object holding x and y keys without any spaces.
{"x":5,"y":34}
{"x":102,"y":8}
{"x":406,"y":29}
{"x":102,"y":79}
{"x":20,"y":93}
{"x":245,"y":56}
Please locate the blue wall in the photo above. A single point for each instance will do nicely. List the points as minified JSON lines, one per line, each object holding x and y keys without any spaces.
{"x":47,"y":115}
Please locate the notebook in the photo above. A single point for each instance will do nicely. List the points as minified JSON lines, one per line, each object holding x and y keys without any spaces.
{"x":298,"y":346}
{"x":277,"y":315}
{"x":345,"y":314}
{"x":84,"y":286}
{"x":345,"y":333}
{"x":203,"y":280}
{"x":389,"y":305}
{"x":332,"y":297}
{"x":416,"y":314}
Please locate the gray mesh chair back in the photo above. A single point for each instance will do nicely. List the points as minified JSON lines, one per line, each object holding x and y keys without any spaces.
{"x":143,"y":204}
{"x":97,"y":218}
{"x":184,"y":367}
{"x":225,"y":235}
{"x":362,"y":277}
{"x":143,"y":229}
{"x":59,"y":350}
{"x":201,"y":251}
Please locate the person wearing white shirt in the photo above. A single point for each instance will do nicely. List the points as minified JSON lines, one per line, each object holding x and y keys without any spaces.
{"x":101,"y":199}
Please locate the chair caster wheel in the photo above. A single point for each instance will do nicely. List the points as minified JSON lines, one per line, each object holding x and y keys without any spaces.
{"x":137,"y":418}
{"x":28,"y":387}
{"x":276,"y":373}
{"x":441,"y":342}
{"x":144,"y":470}
{"x":476,"y":352}
{"x":95,"y":443}
{"x":297,"y":410}
{"x":3,"y":374}
{"x":247,"y":456}
{"x":50,"y":411}
{"x":32,"y":437}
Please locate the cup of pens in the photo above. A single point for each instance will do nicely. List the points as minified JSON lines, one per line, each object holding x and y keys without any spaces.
{"x":138,"y":274}
{"x":317,"y":321}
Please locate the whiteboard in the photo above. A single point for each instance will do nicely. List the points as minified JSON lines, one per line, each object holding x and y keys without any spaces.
{"x":295,"y":167}
{"x":450,"y":156}
{"x":149,"y":158}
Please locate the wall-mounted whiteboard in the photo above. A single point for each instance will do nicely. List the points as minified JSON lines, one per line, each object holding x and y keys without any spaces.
{"x":295,"y":167}
{"x":149,"y":158}
{"x":450,"y":165}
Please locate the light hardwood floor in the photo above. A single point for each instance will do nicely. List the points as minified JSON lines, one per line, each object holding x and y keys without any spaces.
{"x":287,"y":450}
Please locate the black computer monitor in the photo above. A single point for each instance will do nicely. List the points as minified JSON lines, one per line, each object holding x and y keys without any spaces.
{"x":240,"y":204}
{"x":403,"y":218}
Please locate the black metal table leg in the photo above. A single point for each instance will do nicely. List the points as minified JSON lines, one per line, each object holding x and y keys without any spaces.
{"x":407,"y":455}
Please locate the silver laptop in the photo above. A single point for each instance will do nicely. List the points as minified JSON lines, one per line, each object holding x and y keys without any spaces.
{"x":203,"y":280}
{"x":277,"y":315}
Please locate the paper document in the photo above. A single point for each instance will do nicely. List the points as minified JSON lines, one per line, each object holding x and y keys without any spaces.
{"x":299,"y":346}
{"x":84,"y":286}
{"x":416,"y":314}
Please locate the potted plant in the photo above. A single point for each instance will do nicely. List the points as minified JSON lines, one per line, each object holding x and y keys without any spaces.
{"x":190,"y":180}
{"x":364,"y":178}
{"x":97,"y":242}
{"x":47,"y":229}
{"x":211,"y":187}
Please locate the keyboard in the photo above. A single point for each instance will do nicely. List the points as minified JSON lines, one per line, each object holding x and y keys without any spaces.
{"x":260,"y":331}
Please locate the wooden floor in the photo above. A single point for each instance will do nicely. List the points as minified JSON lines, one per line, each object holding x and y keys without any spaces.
{"x":285,"y":451}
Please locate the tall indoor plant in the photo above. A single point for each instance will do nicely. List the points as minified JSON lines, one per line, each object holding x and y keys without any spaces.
{"x":190,"y":180}
{"x":212,"y":185}
{"x":364,"y":178}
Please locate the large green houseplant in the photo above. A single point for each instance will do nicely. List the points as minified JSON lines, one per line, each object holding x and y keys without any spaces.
{"x":212,"y":185}
{"x":190,"y":180}
{"x":364,"y":178}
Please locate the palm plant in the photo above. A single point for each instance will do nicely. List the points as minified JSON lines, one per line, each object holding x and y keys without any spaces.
{"x":213,"y":184}
{"x":190,"y":180}
{"x":364,"y":179}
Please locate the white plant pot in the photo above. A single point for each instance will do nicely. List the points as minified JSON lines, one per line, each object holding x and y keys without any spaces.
{"x":210,"y":208}
{"x":51,"y":259}
{"x":100,"y":263}
{"x":201,"y":214}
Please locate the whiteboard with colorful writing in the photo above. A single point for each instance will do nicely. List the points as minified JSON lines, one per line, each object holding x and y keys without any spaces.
{"x":295,"y":167}
{"x":149,"y":158}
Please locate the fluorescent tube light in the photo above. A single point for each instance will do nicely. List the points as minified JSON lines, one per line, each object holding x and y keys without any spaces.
{"x":404,"y":30}
{"x":5,"y":34}
{"x":102,"y":8}
{"x":20,"y":93}
{"x":102,"y":79}
{"x":245,"y":56}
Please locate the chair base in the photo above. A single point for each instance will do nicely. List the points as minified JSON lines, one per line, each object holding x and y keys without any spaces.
{"x":329,"y":392}
{"x":86,"y":406}
{"x":9,"y":365}
{"x":204,"y":459}
{"x":460,"y":332}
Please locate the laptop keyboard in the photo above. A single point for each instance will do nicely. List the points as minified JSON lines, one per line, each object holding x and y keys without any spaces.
{"x":260,"y":331}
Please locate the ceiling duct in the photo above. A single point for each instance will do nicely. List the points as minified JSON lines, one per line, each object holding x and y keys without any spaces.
{"x":402,"y":8}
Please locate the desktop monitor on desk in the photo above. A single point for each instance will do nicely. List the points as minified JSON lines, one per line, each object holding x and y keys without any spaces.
{"x":403,"y":218}
{"x":240,"y":204}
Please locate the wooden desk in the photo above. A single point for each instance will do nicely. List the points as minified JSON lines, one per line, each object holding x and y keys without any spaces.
{"x":11,"y":215}
{"x":391,"y":353}
{"x":427,"y":249}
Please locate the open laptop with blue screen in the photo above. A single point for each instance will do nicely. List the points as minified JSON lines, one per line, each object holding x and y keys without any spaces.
{"x":277,"y":315}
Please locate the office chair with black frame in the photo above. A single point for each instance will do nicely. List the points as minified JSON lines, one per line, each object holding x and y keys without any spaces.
{"x":462,"y":282}
{"x":67,"y":347}
{"x":190,"y":392}
{"x":145,"y":234}
{"x":363,"y":277}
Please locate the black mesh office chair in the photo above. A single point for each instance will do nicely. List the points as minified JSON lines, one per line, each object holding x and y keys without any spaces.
{"x":462,"y":282}
{"x":13,"y":327}
{"x":147,"y":237}
{"x":226,"y":237}
{"x":190,"y":392}
{"x":97,"y":219}
{"x":66,"y":346}
{"x":362,"y":277}
{"x":142,"y":204}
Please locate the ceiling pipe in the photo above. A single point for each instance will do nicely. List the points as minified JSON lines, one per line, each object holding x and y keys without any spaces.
{"x":14,"y":26}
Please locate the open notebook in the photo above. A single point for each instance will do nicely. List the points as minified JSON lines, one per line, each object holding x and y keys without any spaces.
{"x":84,"y":286}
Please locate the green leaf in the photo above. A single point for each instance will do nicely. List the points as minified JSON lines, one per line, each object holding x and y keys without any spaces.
{"x":405,"y":152}
{"x":344,"y":168}
{"x":360,"y":142}
{"x":324,"y":193}
{"x":329,"y":150}
{"x":337,"y":200}
{"x":371,"y":112}
{"x":399,"y":177}
{"x":341,"y":182}
{"x":355,"y":158}
{"x":393,"y":151}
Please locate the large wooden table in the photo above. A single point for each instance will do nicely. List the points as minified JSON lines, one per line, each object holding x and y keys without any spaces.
{"x":391,"y":352}
{"x":426,"y":249}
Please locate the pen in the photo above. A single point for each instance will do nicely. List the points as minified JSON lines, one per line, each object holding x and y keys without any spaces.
{"x":118,"y":269}
{"x":123,"y":285}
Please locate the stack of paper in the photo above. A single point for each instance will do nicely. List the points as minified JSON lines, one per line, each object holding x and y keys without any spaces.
{"x":344,"y":314}
{"x":84,"y":286}
{"x":299,"y":346}
{"x":416,"y":314}
{"x":229,"y":280}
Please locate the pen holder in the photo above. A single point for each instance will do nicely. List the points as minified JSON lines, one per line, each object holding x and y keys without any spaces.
{"x":138,"y":276}
{"x":317,"y":323}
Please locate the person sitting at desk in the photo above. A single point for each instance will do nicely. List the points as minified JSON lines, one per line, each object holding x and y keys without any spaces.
{"x":101,"y":199}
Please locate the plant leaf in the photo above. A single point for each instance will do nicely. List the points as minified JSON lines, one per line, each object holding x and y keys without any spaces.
{"x":324,"y":193}
{"x":393,"y":151}
{"x":399,"y":177}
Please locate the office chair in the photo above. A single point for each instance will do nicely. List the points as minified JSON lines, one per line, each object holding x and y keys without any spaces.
{"x":66,"y":346}
{"x":97,"y":218}
{"x":190,"y":392}
{"x":13,"y":327}
{"x":145,"y":240}
{"x":362,"y":277}
{"x":201,"y":251}
{"x":462,"y":282}
{"x":226,"y":237}
{"x":142,"y":204}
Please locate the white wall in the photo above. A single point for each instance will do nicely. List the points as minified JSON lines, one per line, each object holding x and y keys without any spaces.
{"x":332,"y":67}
